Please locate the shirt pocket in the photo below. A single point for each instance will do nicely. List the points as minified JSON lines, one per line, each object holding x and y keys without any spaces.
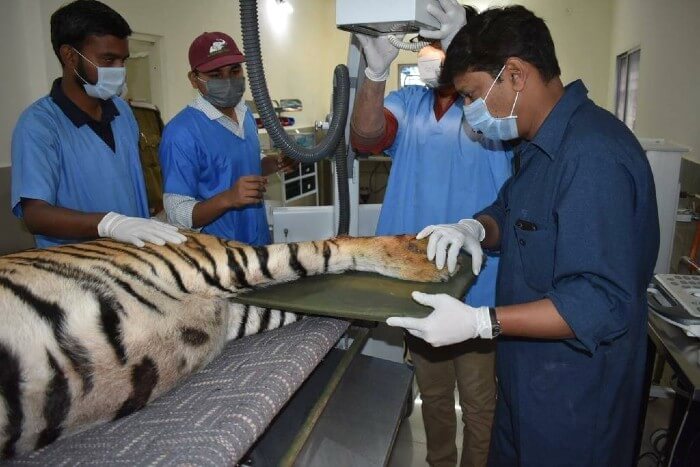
{"x":536,"y":246}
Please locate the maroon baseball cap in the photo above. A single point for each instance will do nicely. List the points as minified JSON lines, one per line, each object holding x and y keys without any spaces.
{"x":213,"y":50}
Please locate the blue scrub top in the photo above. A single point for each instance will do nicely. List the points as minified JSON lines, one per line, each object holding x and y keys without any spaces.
{"x":579,"y":226}
{"x":70,"y":166}
{"x":200,"y":158}
{"x":440,"y":173}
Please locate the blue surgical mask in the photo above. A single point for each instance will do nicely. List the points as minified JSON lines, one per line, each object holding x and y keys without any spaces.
{"x":110,"y":81}
{"x":480,"y":119}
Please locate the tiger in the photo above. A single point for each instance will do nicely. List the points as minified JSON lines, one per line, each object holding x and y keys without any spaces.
{"x":92,"y":332}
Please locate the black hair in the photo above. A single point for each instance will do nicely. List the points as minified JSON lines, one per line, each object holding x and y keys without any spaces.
{"x":496,"y":34}
{"x":73,"y":23}
{"x":470,"y":11}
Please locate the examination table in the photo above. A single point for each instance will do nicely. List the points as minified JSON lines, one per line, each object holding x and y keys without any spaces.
{"x":348,"y":410}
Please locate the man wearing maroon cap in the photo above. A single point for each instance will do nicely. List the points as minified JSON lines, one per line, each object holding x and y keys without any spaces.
{"x":213,"y":176}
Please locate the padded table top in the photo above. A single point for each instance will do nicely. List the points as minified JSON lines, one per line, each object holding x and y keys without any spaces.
{"x":357,"y":295}
{"x":215,"y":415}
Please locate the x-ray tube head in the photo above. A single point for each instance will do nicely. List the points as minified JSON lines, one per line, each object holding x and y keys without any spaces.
{"x":380,"y":17}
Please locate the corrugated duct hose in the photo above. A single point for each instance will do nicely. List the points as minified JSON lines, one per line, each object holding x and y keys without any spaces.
{"x":334,"y":142}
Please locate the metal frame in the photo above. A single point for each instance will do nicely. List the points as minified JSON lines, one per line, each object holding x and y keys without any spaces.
{"x":308,"y":426}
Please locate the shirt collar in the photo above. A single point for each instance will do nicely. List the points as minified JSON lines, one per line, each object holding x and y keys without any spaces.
{"x":200,"y":103}
{"x":551,"y":132}
{"x":74,"y":113}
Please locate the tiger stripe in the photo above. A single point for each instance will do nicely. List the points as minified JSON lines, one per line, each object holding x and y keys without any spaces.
{"x":265,"y":319}
{"x":294,"y":262}
{"x":129,"y":271}
{"x":74,"y":255}
{"x":121,"y":283}
{"x":110,"y":308}
{"x":111,"y":327}
{"x":56,"y":405}
{"x":213,"y":281}
{"x":326,"y":256}
{"x":263,"y":258}
{"x":243,"y":323}
{"x":237,"y":271}
{"x":130,"y":290}
{"x":55,"y":316}
{"x":10,"y":390}
{"x":102,"y":249}
{"x":144,"y":378}
{"x":171,"y":267}
{"x":202,"y":249}
{"x":243,"y":255}
{"x":194,"y":337}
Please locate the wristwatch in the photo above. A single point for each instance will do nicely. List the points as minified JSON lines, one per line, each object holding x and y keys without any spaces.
{"x":495,"y":324}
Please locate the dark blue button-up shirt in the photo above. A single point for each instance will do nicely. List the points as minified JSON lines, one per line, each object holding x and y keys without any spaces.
{"x":579,"y":226}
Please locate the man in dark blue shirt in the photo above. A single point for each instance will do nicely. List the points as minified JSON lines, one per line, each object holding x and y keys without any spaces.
{"x":578,"y":232}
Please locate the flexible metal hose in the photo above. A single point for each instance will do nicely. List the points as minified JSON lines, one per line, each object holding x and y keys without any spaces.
{"x":341,"y":100}
{"x":341,"y":172}
{"x":258,"y":86}
{"x":410,"y":46}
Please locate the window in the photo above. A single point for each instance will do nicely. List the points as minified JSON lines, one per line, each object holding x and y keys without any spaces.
{"x":627,"y":85}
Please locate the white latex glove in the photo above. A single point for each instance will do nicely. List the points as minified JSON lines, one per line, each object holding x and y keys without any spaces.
{"x":379,"y":53}
{"x":137,"y":230}
{"x":451,"y":16}
{"x":448,"y":239}
{"x":450,"y":322}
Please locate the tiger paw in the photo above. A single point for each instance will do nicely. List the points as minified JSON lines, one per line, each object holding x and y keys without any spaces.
{"x":406,"y":258}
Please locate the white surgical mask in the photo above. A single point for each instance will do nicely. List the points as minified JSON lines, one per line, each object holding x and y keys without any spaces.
{"x":429,"y":71}
{"x":110,"y":81}
{"x":480,"y":119}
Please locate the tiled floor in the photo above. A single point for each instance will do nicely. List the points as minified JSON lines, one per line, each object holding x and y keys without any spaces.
{"x":657,"y":420}
{"x":410,"y":449}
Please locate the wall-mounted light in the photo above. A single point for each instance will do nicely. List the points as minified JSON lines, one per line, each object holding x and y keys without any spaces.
{"x":285,"y":6}
{"x":279,"y":12}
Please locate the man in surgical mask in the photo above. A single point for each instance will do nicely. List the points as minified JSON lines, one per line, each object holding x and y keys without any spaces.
{"x":578,"y":232}
{"x":440,"y":172}
{"x":213,"y":176}
{"x":76,"y":171}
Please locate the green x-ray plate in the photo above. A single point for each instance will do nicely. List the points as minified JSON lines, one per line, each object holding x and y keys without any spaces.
{"x":357,"y":295}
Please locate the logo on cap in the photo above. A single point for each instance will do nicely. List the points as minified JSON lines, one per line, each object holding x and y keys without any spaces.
{"x":217,"y":47}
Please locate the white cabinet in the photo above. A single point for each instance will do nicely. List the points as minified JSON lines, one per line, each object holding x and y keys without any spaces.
{"x":665,"y":160}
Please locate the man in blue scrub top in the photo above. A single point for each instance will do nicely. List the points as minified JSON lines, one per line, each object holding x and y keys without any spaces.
{"x":75,"y":152}
{"x":213,"y":176}
{"x":578,"y":232}
{"x":440,"y":173}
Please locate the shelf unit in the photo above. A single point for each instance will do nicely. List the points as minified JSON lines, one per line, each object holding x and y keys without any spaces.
{"x":301,"y":183}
